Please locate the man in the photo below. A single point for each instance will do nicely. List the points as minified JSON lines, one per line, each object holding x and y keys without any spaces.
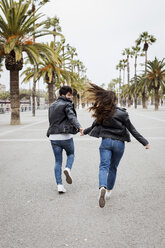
{"x":63,"y":124}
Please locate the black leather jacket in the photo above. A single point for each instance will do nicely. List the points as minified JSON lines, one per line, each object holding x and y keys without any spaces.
{"x":62,"y":117}
{"x":116,"y":127}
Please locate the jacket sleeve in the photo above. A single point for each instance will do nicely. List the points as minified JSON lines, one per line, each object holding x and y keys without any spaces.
{"x":133,"y":131}
{"x":87,"y":130}
{"x":71,"y":116}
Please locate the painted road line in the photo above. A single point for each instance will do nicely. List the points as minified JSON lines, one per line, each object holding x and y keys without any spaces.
{"x":76,"y":139}
{"x":150,"y":117}
{"x":20,"y":128}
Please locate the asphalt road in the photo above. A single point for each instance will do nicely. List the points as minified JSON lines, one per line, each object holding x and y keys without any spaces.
{"x":34,"y":215}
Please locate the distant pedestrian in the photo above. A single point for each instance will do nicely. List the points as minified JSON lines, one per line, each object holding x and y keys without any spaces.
{"x":112,"y":125}
{"x":63,"y":124}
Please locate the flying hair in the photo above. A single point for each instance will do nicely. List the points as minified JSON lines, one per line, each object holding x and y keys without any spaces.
{"x":103,"y":102}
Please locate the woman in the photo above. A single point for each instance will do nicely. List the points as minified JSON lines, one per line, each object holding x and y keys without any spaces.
{"x":112,"y":125}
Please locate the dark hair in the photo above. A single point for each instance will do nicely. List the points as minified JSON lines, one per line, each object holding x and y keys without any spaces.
{"x":64,"y":90}
{"x":104,"y":102}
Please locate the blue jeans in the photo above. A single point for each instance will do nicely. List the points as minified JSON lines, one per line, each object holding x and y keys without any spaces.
{"x":58,"y":147}
{"x":111,"y":152}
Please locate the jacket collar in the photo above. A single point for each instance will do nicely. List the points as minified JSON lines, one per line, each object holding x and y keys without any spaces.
{"x":64,"y":99}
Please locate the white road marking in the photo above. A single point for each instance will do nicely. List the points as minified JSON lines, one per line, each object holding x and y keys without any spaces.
{"x":76,"y":139}
{"x":150,"y":117}
{"x":20,"y":127}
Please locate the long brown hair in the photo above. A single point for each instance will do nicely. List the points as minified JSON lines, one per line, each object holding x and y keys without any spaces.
{"x":103,"y":102}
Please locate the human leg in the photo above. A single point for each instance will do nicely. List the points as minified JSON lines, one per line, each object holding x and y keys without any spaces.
{"x":57,"y":150}
{"x":117,"y":153}
{"x":105,"y":158}
{"x":68,"y":146}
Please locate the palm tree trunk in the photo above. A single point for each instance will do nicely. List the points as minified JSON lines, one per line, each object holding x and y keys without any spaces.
{"x":128,"y":72}
{"x":33,"y":98}
{"x":143,"y":99}
{"x":135,"y":82}
{"x":34,"y":81}
{"x":128,"y":78}
{"x":145,"y":89}
{"x":156,"y":99}
{"x":152,"y":100}
{"x":75,"y":98}
{"x":135,"y":101}
{"x":50,"y":92}
{"x":119,"y":98}
{"x":14,"y":98}
{"x":124,"y":76}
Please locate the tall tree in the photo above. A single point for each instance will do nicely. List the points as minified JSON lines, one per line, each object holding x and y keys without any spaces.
{"x":146,"y":40}
{"x":119,"y":67}
{"x":136,"y":52}
{"x":128,"y":53}
{"x":124,"y":65}
{"x":72,"y":53}
{"x":47,"y":69}
{"x":16,"y":33}
{"x":156,"y":78}
{"x":0,"y":67}
{"x":35,"y":4}
{"x":54,"y":24}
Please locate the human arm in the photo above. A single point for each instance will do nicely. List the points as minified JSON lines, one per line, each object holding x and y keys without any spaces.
{"x":134,"y":132}
{"x":72,"y":116}
{"x":87,"y":130}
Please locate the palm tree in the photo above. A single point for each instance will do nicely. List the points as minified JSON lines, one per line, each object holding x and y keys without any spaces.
{"x":146,"y":40}
{"x":119,"y":67}
{"x":46,"y":69}
{"x":0,"y":67}
{"x":124,"y":65}
{"x":140,"y":87}
{"x":128,"y":54}
{"x":124,"y":94}
{"x":80,"y":69}
{"x":156,"y":77}
{"x":16,"y":33}
{"x":54,"y":23}
{"x":32,"y":11}
{"x":71,"y":51}
{"x":136,"y":51}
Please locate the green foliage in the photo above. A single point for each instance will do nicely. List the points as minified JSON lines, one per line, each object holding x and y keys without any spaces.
{"x":17,"y":29}
{"x":156,"y":74}
{"x":5,"y":95}
{"x":145,"y":39}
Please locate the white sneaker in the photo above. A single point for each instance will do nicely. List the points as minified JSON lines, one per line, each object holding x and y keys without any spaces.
{"x":102,"y":197}
{"x":61,"y":188}
{"x":108,"y":195}
{"x":67,"y":173}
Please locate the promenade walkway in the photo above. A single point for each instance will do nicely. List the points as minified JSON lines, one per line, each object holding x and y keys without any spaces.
{"x":34,"y":215}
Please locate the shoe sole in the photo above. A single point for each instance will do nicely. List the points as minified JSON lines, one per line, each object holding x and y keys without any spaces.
{"x":102,"y":198}
{"x":68,"y":178}
{"x":61,"y":192}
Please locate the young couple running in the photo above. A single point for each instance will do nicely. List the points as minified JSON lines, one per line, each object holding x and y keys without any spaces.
{"x":111,"y":123}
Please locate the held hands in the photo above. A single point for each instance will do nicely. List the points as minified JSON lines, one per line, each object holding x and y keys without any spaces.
{"x":81,"y":130}
{"x":147,"y":146}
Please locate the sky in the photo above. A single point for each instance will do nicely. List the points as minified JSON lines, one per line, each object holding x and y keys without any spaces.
{"x":101,"y":29}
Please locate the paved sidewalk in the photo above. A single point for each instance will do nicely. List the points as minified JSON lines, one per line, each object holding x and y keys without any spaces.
{"x":34,"y":215}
